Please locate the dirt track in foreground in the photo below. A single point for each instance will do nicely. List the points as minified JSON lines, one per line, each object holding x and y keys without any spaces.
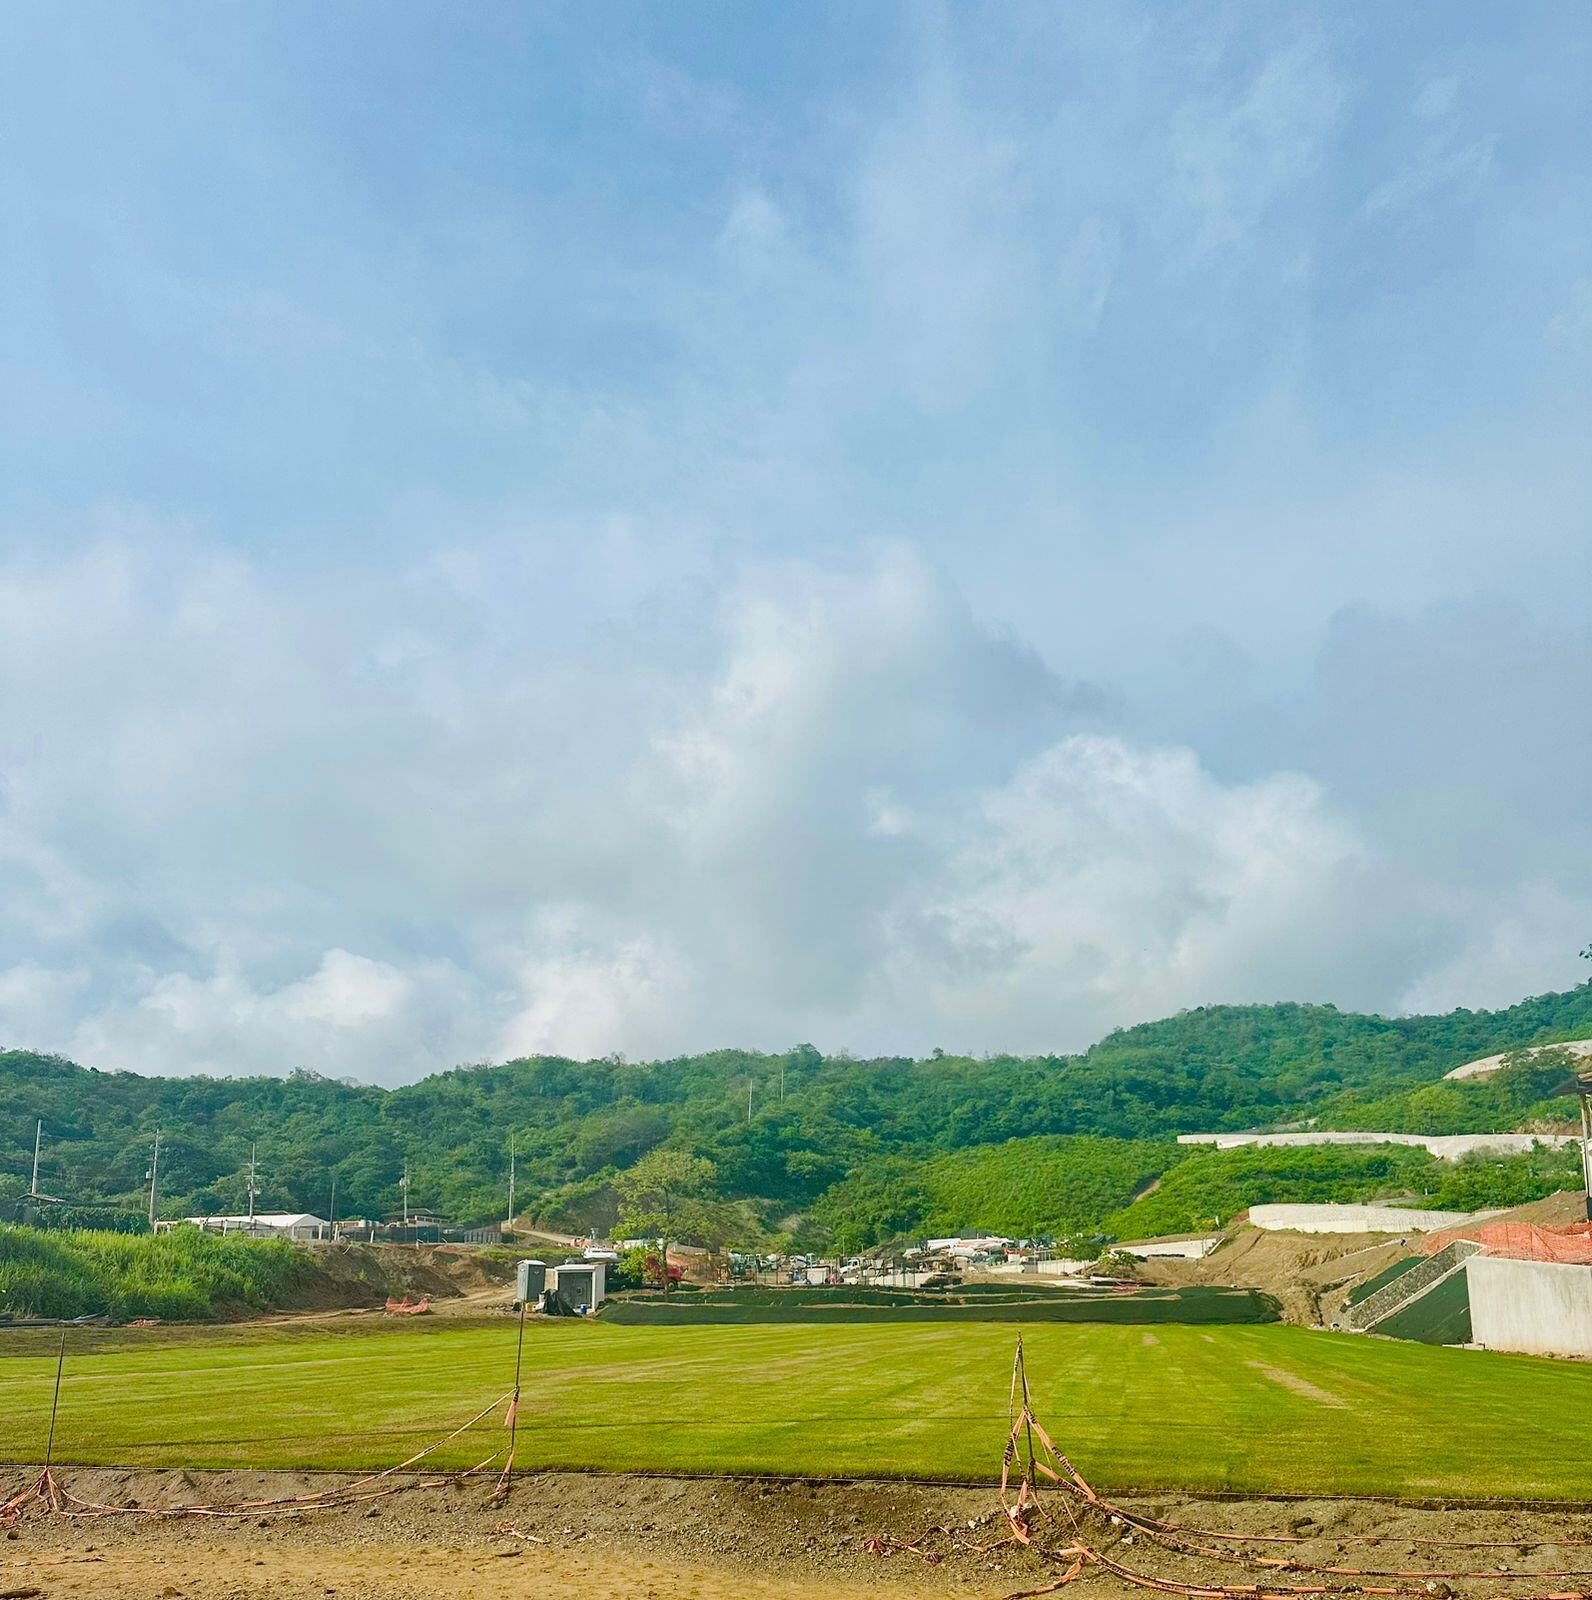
{"x":649,"y":1538}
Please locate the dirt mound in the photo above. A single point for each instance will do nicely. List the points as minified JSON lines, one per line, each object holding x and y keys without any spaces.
{"x":363,"y":1276}
{"x":1307,"y":1272}
{"x":1555,"y":1211}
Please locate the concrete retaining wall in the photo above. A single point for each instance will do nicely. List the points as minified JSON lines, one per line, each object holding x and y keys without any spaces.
{"x":1579,"y":1048}
{"x":1173,"y":1249}
{"x":1353,"y":1219}
{"x":1445,"y":1146}
{"x":1541,"y":1307}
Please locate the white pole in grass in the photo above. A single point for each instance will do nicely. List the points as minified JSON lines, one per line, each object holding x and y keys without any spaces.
{"x":252,"y":1187}
{"x":154,"y":1178}
{"x":38,"y":1134}
{"x":1584,"y":1086}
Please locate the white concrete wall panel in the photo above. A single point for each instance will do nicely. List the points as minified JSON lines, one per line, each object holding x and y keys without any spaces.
{"x":1542,"y":1308}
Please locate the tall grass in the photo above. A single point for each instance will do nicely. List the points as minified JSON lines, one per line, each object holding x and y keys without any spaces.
{"x":182,"y":1275}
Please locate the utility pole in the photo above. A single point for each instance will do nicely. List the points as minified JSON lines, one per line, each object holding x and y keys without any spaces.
{"x":508,"y":1225}
{"x":749,"y":1099}
{"x":38,"y":1134}
{"x":253,"y":1187}
{"x":331,"y":1221}
{"x":782,"y":1078}
{"x":403,"y":1183}
{"x":154,"y":1178}
{"x":1583,"y":1084}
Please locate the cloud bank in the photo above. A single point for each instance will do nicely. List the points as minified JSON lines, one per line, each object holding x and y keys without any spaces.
{"x":253,"y":826}
{"x":889,"y":528}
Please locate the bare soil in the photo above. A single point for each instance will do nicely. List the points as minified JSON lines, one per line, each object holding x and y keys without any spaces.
{"x":562,"y":1535}
{"x":362,"y":1276}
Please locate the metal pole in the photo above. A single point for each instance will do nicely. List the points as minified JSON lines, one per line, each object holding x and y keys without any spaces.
{"x":748,"y":1099}
{"x":331,"y":1221}
{"x":55,"y":1404}
{"x":154,"y":1177}
{"x":1584,"y":1087}
{"x":1028,"y":1416}
{"x":38,"y":1134}
{"x":251,"y":1186}
{"x":508,"y":1224}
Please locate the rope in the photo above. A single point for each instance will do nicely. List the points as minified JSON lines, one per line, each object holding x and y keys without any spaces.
{"x":1032,"y":1457}
{"x":48,"y":1492}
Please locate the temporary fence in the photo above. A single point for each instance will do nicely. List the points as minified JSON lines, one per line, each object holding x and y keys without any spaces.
{"x":1050,"y":1510}
{"x":47,"y":1493}
{"x":1522,"y":1241}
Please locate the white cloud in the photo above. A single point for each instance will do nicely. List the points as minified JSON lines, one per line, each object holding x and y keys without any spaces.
{"x":252,"y":825}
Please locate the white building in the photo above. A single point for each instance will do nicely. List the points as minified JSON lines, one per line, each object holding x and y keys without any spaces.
{"x":268,"y":1225}
{"x":980,"y":1245}
{"x":584,"y":1284}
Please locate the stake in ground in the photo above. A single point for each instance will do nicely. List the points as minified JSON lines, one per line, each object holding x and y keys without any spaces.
{"x":1246,"y":1408}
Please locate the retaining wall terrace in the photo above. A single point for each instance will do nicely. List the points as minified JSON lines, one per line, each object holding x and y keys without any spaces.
{"x":1543,"y":1308}
{"x":1327,"y":1218}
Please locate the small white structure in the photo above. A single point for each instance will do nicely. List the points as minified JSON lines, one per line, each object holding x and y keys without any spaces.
{"x":1171,"y":1249}
{"x":1329,"y":1218}
{"x":530,"y":1279}
{"x":268,"y":1225}
{"x":583,"y":1284}
{"x":1445,"y":1146}
{"x":1543,"y":1308}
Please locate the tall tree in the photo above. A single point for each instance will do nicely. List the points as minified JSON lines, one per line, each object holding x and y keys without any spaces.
{"x":668,"y":1194}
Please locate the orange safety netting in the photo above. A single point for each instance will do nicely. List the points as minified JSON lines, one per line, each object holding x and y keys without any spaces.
{"x":1523,"y":1241}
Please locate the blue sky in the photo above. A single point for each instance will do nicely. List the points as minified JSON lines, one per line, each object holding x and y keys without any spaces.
{"x":641,"y":528}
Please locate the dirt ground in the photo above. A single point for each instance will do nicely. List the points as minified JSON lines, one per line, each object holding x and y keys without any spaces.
{"x":652,"y":1538}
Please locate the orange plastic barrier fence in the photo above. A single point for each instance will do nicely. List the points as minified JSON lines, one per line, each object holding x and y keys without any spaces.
{"x":1524,"y":1241}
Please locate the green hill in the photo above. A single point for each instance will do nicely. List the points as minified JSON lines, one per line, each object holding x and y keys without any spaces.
{"x":817,"y":1120}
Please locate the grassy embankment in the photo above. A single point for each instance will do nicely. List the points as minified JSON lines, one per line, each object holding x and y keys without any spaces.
{"x":1250,"y":1408}
{"x":177,"y":1275}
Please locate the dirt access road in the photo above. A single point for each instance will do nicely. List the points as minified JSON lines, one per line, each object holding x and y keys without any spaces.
{"x":655,"y":1538}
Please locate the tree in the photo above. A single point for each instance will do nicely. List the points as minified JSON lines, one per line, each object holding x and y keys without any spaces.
{"x":668,"y":1194}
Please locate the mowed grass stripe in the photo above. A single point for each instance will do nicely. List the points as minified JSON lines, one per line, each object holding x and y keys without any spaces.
{"x":1253,"y":1409}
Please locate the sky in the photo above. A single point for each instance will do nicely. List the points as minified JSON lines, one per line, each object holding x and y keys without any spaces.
{"x":639,"y":529}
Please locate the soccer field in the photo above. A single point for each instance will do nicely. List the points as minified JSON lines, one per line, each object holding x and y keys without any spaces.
{"x":1243,"y":1408}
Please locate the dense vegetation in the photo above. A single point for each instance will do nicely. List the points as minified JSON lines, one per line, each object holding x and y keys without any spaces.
{"x":175,"y":1275}
{"x":817,"y":1120}
{"x":1047,"y":1186}
{"x":1060,"y":1188}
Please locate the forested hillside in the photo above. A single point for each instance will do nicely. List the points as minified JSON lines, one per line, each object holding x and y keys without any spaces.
{"x":816,"y":1120}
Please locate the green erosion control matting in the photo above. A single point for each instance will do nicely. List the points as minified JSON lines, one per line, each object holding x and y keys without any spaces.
{"x":1196,"y":1305}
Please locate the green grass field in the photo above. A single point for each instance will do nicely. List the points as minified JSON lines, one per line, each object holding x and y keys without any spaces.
{"x":1241,"y":1408}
